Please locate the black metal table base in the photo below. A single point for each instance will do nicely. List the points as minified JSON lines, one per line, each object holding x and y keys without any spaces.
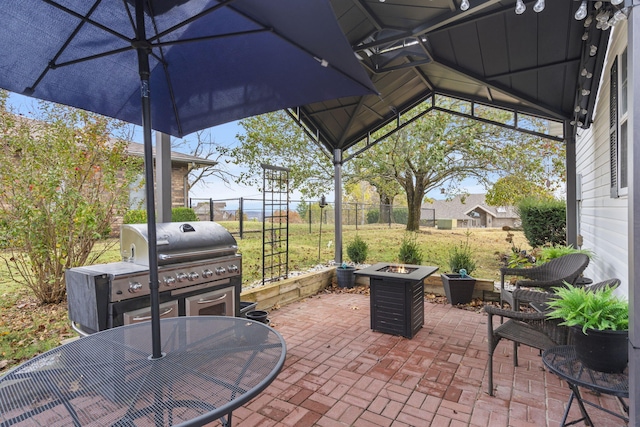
{"x":575,"y":394}
{"x":563,"y":362}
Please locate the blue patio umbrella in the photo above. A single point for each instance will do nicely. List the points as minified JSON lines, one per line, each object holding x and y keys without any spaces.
{"x":176,"y":66}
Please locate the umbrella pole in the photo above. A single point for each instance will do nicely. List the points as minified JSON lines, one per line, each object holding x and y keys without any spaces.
{"x":143,"y":67}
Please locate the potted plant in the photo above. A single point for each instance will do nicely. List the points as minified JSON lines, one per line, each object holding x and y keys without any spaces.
{"x":357,"y":252}
{"x":458,"y":285}
{"x":599,"y":324}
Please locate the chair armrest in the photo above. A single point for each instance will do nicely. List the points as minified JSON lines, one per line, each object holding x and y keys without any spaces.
{"x":516,"y":315}
{"x":527,"y":295}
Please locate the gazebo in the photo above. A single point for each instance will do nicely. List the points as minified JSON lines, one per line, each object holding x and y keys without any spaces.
{"x":526,"y":57}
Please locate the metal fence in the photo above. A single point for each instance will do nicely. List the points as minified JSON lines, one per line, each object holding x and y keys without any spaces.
{"x":242,"y":210}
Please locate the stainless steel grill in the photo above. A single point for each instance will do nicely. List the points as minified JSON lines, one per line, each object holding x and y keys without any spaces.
{"x":200,"y":273}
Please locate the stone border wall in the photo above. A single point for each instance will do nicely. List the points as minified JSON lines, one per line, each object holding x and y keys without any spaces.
{"x":306,"y":285}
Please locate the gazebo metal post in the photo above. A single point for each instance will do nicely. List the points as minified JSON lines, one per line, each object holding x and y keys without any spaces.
{"x":337,"y":167}
{"x":633,"y":72}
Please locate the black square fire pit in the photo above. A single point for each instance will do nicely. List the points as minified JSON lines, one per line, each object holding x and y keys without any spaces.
{"x":397,"y":297}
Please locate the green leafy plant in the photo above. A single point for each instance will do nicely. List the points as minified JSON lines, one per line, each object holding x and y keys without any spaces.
{"x":548,"y":253}
{"x":600,"y":309}
{"x":461,"y":257}
{"x":357,"y":250}
{"x":410,"y":252}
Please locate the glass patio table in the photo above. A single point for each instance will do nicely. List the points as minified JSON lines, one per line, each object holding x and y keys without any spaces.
{"x":211,"y":366}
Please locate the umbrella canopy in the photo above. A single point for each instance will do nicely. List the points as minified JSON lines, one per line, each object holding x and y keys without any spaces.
{"x":210,"y":62}
{"x":188,"y":64}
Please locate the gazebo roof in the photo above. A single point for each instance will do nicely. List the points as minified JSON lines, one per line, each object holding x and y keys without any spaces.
{"x":545,"y":64}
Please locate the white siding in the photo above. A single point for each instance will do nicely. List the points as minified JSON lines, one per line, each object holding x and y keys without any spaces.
{"x":602,"y":219}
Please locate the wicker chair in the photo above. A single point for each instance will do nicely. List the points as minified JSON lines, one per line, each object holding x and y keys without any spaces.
{"x":532,"y":329}
{"x":554,"y":273}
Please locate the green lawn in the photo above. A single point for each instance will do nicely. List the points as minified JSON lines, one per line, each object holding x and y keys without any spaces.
{"x":27,"y":328}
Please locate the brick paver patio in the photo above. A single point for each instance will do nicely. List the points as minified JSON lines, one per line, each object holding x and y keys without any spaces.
{"x":340,"y":373}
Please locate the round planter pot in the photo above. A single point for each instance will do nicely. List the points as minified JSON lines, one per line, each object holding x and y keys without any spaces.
{"x":604,"y":351}
{"x":258,"y":316}
{"x":345,"y":276}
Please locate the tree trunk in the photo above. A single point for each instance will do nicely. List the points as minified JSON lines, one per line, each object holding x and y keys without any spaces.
{"x":414,"y":202}
{"x":385,"y":209}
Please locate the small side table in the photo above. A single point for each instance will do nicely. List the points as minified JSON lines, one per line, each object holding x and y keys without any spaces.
{"x":564,"y":362}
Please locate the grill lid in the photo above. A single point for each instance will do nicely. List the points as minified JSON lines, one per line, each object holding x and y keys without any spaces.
{"x":177,"y":242}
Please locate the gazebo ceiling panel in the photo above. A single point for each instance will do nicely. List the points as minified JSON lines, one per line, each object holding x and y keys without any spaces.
{"x":413,"y":49}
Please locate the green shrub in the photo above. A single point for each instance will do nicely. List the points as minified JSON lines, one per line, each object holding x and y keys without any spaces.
{"x":135,"y":216}
{"x":461,"y":257}
{"x":400,"y":215}
{"x":373,"y":216}
{"x":183,"y":215}
{"x":548,"y":253}
{"x":139,"y":216}
{"x":543,"y":221}
{"x":357,"y":250}
{"x":410,"y":252}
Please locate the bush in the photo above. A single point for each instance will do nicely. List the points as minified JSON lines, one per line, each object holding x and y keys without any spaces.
{"x":548,"y":253}
{"x":357,"y":250}
{"x":410,"y":252}
{"x":135,"y":216}
{"x":400,"y":215}
{"x":373,"y":216}
{"x":183,"y":215}
{"x":544,"y":222}
{"x":461,"y":257}
{"x":139,"y":216}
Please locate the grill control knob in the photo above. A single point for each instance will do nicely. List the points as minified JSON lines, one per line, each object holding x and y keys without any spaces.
{"x":233,"y":268}
{"x":134,"y":287}
{"x":220,"y":271}
{"x":181,"y":277}
{"x":207,"y":273}
{"x":193,"y":276}
{"x":169,"y":280}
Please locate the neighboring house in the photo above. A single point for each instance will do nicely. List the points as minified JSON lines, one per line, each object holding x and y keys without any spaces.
{"x":472,"y":211}
{"x":181,"y":165}
{"x":203,"y":211}
{"x":602,"y":168}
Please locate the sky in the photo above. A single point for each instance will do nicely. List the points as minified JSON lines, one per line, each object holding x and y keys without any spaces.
{"x":215,"y":188}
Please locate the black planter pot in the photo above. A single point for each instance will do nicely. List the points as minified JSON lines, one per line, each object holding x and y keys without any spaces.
{"x":605,"y":351}
{"x":345,"y":276}
{"x":457,"y":289}
{"x":258,"y":316}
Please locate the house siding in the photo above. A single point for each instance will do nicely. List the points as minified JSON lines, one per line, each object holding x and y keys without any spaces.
{"x":602,"y":219}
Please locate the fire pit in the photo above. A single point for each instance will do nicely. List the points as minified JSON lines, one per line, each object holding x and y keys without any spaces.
{"x":397,"y":297}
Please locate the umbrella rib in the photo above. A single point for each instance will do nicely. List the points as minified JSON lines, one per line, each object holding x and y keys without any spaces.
{"x":302,"y":48}
{"x":213,"y":37}
{"x":50,"y":66}
{"x":190,"y":20}
{"x":88,"y":58}
{"x":87,"y":20}
{"x":165,"y":67}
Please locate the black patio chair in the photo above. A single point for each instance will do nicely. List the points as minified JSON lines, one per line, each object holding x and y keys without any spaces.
{"x":554,"y":273}
{"x":532,"y":329}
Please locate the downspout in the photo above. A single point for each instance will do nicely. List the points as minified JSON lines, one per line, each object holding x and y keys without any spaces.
{"x":337,"y":167}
